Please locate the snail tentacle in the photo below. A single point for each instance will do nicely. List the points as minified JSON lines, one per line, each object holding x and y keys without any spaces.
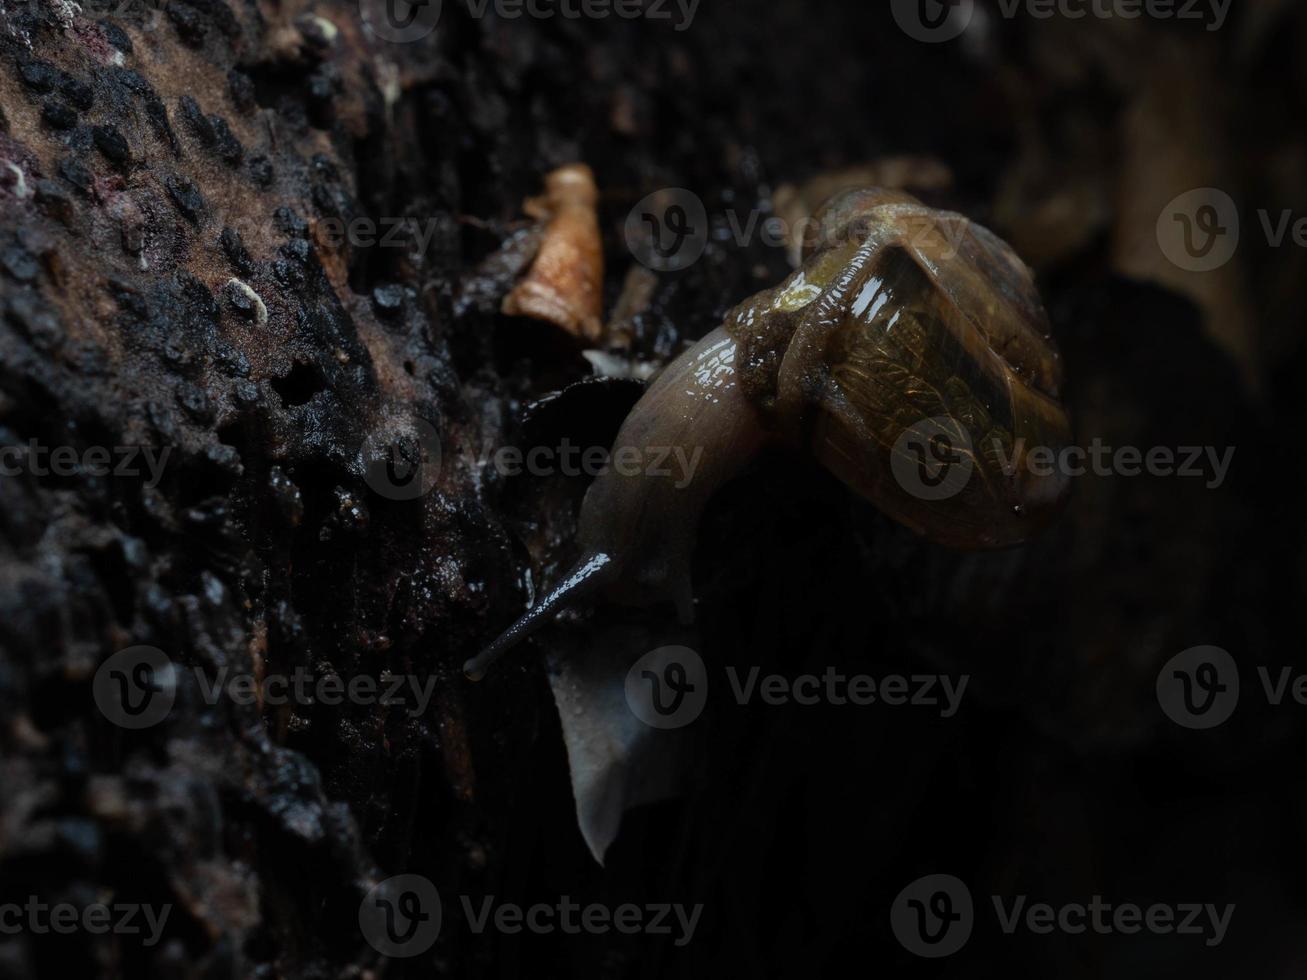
{"x":586,"y":578}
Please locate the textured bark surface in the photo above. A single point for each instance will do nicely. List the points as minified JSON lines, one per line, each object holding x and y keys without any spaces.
{"x":173,"y":181}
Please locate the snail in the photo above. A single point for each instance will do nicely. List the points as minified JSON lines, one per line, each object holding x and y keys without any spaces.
{"x":907,"y":336}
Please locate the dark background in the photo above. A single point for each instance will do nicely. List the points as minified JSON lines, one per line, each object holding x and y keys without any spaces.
{"x":263,"y":548}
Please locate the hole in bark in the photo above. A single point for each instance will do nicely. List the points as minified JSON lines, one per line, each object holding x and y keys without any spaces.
{"x":299,"y":386}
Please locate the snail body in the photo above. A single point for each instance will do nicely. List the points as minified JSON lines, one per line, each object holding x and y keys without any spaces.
{"x":908,"y":336}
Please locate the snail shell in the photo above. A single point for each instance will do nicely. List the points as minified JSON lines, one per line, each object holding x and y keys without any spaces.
{"x":909,"y":322}
{"x":906,"y":331}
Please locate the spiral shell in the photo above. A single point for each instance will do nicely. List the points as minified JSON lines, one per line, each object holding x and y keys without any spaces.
{"x":913,"y":341}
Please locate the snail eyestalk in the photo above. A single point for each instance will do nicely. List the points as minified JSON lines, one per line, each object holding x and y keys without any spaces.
{"x":690,"y":432}
{"x":583,"y":580}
